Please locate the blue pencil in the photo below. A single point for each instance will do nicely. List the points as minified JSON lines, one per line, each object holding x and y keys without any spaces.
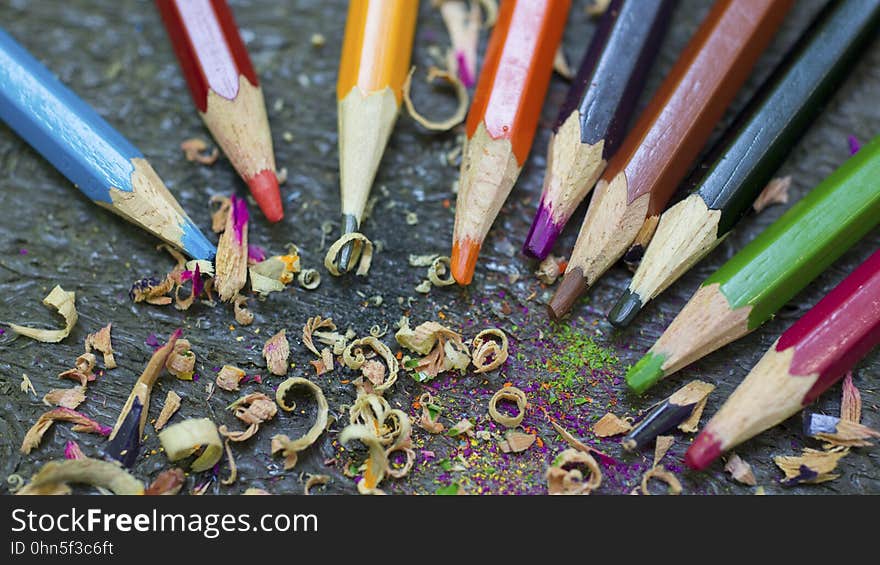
{"x":88,"y":151}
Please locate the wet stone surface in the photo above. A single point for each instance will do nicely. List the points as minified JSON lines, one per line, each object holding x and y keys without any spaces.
{"x":116,"y":56}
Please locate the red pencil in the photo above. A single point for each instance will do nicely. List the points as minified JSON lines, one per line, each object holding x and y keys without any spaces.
{"x":813,"y":354}
{"x":226,"y":91}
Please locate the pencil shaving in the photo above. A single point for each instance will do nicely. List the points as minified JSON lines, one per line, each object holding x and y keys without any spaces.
{"x":194,"y":149}
{"x":362,"y":254}
{"x":740,"y":470}
{"x":283,"y":444}
{"x":776,"y":192}
{"x":460,"y":93}
{"x":276,"y":351}
{"x":660,"y":473}
{"x":54,"y":476}
{"x":610,"y":425}
{"x":100,"y":341}
{"x":169,"y":408}
{"x":190,"y":436}
{"x":509,"y":394}
{"x":489,"y":354}
{"x":253,"y":409}
{"x":64,"y":303}
{"x":566,"y":475}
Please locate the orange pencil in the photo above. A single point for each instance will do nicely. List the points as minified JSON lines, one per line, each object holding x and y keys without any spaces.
{"x":375,"y":60}
{"x":503,"y":118}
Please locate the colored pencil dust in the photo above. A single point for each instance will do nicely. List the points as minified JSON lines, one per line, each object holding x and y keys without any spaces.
{"x":503,"y":118}
{"x":375,"y":59}
{"x":657,"y":153}
{"x":753,"y":148}
{"x":593,"y":119}
{"x":101,"y":163}
{"x":747,"y":290}
{"x":813,"y":354}
{"x":226,"y":91}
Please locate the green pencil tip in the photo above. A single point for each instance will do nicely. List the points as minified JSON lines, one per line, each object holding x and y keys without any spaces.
{"x":646,"y":373}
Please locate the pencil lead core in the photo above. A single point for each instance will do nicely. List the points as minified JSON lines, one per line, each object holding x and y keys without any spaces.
{"x":350,"y":224}
{"x":627,"y":308}
{"x":571,"y":288}
{"x":264,"y":188}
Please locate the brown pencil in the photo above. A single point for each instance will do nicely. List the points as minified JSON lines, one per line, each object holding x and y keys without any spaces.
{"x":657,"y":154}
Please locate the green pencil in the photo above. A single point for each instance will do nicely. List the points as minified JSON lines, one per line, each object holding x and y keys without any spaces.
{"x":747,"y":290}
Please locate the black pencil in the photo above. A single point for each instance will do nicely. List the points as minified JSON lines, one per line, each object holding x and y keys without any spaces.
{"x":751,"y":151}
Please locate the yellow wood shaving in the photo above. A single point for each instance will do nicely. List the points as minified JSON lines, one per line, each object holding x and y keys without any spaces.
{"x":283,"y":444}
{"x":229,"y":377}
{"x":850,"y":434}
{"x":484,"y":348}
{"x":104,"y":474}
{"x":661,"y":447}
{"x":313,"y":481}
{"x":253,"y":410}
{"x":564,"y":476}
{"x":740,"y":470}
{"x":660,"y":473}
{"x":460,"y":92}
{"x":561,"y":66}
{"x":399,"y":473}
{"x":181,"y":362}
{"x":610,"y":425}
{"x":65,"y":397}
{"x":276,"y":351}
{"x":26,"y":385}
{"x":309,"y":279}
{"x":511,"y":394}
{"x":850,"y":401}
{"x":171,"y":405}
{"x":438,"y":268}
{"x":100,"y":341}
{"x":243,"y":316}
{"x":233,"y":470}
{"x":60,"y":300}
{"x":194,"y":150}
{"x":776,"y":192}
{"x":362,"y":254}
{"x":186,"y":438}
{"x":596,"y":8}
{"x":353,"y":358}
{"x":377,"y":463}
{"x":516,"y":442}
{"x":820,"y":462}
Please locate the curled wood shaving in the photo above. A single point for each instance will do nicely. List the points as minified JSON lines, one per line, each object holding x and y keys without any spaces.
{"x":661,"y":447}
{"x":611,"y":425}
{"x":100,"y":341}
{"x":403,"y":470}
{"x":353,"y":357}
{"x":231,"y":260}
{"x":311,"y":328}
{"x":171,"y":405}
{"x":422,"y":260}
{"x":550,"y":269}
{"x":695,"y":392}
{"x":740,"y":470}
{"x":812,"y":466}
{"x":276,"y":351}
{"x":82,"y":423}
{"x":460,"y":92}
{"x":463,"y":25}
{"x":283,"y":444}
{"x":275,"y":273}
{"x":233,"y":470}
{"x":491,"y":9}
{"x":220,"y":206}
{"x":660,"y":473}
{"x":65,"y":397}
{"x":253,"y":410}
{"x":309,"y":279}
{"x":486,"y":349}
{"x":152,"y":291}
{"x":194,"y":150}
{"x":442,"y":347}
{"x":64,"y":303}
{"x":391,"y":426}
{"x":362,"y":254}
{"x":243,"y":316}
{"x":314,"y":481}
{"x":82,"y":371}
{"x":429,"y":420}
{"x":516,"y":442}
{"x":561,"y":66}
{"x":325,"y":363}
{"x":776,"y":192}
{"x":104,"y":474}
{"x":377,"y":463}
{"x":510,"y":394}
{"x":848,"y":434}
{"x":438,"y":268}
{"x":186,"y":438}
{"x":566,"y":474}
{"x":229,"y":377}
{"x":26,"y":385}
{"x":168,"y":483}
{"x":181,"y":362}
{"x":850,"y":401}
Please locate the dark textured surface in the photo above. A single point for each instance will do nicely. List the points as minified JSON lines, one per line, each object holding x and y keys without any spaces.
{"x":116,"y":56}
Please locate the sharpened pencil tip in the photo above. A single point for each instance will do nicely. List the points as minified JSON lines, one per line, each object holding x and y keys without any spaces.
{"x":646,"y":373}
{"x":264,"y":189}
{"x":463,"y":262}
{"x":350,"y":224}
{"x":625,"y":311}
{"x":573,"y":285}
{"x":542,"y":234}
{"x":705,"y":449}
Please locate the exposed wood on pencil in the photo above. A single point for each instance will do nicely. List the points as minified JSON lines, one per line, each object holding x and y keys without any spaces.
{"x":669,"y":134}
{"x":502,"y":120}
{"x":226,"y":91}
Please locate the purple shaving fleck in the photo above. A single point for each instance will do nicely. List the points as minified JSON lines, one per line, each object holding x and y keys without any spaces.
{"x":464,"y":73}
{"x":198,"y":287}
{"x":104,"y":430}
{"x":854,"y":144}
{"x":22,"y":251}
{"x":72,"y":451}
{"x":2,"y":331}
{"x":152,"y":341}
{"x":256,"y":254}
{"x":240,"y":217}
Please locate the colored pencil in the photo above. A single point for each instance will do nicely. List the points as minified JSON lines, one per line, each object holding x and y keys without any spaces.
{"x":681,"y":406}
{"x":101,"y":163}
{"x":657,"y":153}
{"x":813,"y":354}
{"x":226,"y":91}
{"x":745,"y":159}
{"x":503,"y":118}
{"x":593,"y":119}
{"x":747,"y":290}
{"x":375,"y":60}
